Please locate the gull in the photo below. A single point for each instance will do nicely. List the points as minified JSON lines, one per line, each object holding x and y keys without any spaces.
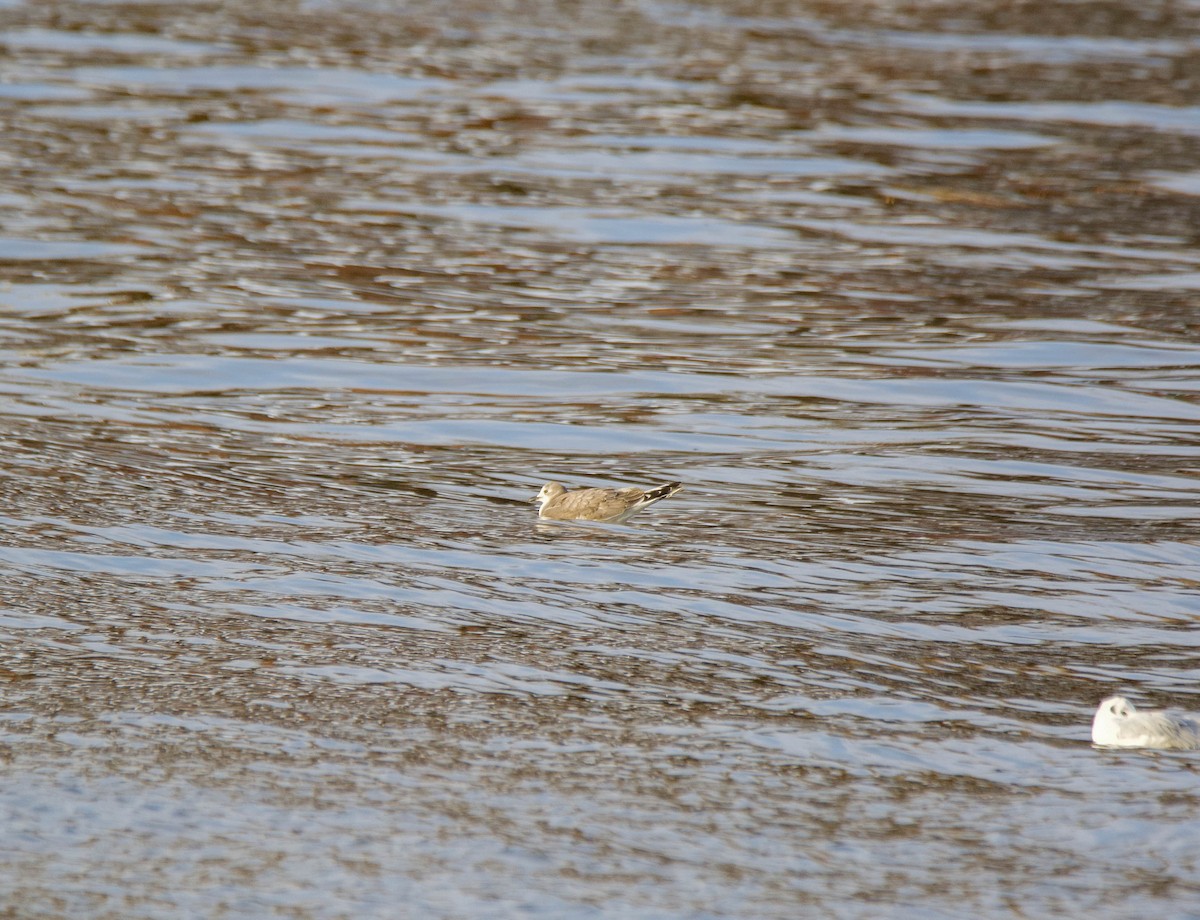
{"x":1117,"y":723}
{"x":609,"y":506}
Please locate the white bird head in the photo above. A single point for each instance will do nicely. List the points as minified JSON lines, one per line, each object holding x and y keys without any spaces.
{"x":549,"y":491}
{"x":1106,"y":724}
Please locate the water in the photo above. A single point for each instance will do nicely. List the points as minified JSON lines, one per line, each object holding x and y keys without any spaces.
{"x":297,"y":311}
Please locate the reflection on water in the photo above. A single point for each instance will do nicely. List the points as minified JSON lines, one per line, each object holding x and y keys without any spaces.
{"x":299,"y":311}
{"x":1173,"y":118}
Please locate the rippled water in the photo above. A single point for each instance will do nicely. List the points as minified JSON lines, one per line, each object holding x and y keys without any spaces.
{"x":301,"y":303}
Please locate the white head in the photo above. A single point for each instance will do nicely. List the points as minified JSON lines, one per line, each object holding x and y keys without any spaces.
{"x":1106,"y":724}
{"x":549,"y":490}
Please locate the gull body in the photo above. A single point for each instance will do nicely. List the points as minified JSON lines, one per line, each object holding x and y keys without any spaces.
{"x":608,"y":506}
{"x":1118,"y":723}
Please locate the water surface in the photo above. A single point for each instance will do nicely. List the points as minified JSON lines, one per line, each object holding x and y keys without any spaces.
{"x":300,"y":305}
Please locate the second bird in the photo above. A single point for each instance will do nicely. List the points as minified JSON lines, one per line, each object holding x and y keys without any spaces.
{"x":608,"y":506}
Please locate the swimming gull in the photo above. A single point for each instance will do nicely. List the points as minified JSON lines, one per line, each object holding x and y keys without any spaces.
{"x":1118,"y":723}
{"x":609,"y":506}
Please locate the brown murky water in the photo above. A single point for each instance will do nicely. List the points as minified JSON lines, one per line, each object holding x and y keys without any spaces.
{"x":301,"y":302}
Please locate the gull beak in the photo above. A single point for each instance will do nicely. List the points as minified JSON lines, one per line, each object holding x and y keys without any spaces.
{"x":535,"y":498}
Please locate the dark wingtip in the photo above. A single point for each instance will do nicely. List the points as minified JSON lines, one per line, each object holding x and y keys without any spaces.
{"x":664,"y":491}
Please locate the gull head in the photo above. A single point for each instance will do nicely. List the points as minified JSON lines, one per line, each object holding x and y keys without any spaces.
{"x":549,"y":490}
{"x":1106,"y":724}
